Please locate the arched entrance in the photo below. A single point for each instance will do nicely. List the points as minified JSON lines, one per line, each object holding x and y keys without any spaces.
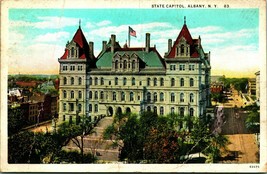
{"x":128,"y":110}
{"x":119,"y":110}
{"x":110,"y":111}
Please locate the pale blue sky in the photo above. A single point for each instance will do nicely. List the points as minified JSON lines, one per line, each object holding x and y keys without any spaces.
{"x":38,"y":36}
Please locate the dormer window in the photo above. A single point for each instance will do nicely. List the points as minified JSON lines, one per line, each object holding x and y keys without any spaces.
{"x":72,"y":52}
{"x":182,"y":49}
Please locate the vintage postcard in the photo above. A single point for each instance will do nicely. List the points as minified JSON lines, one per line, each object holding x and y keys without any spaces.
{"x":139,"y":86}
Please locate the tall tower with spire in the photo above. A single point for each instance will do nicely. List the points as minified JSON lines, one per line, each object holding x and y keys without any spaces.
{"x":74,"y":65}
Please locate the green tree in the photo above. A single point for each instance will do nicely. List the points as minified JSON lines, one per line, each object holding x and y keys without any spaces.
{"x":75,"y":133}
{"x":253,"y":122}
{"x":16,"y":120}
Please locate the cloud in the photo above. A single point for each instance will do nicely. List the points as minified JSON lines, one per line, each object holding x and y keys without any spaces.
{"x":37,"y":58}
{"x":53,"y":37}
{"x":45,"y":22}
{"x":103,"y":23}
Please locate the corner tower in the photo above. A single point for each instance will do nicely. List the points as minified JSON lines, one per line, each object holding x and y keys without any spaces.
{"x":189,"y":65}
{"x":74,"y":64}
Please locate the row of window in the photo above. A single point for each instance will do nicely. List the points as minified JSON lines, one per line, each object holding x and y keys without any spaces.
{"x":182,"y":67}
{"x":148,"y":96}
{"x":72,"y":81}
{"x":161,"y":110}
{"x":72,"y":94}
{"x":72,"y":67}
{"x":79,"y":107}
{"x":123,"y":65}
{"x":149,"y":81}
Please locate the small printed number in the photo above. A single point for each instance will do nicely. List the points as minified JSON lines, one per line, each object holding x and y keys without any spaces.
{"x":254,"y":167}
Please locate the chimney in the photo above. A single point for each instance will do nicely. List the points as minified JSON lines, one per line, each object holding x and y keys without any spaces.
{"x":91,"y":49}
{"x":169,"y":45}
{"x":104,"y":45}
{"x":199,"y":41}
{"x":147,"y":42}
{"x":113,"y":41}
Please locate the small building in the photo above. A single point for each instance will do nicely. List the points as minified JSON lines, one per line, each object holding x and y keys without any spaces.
{"x":252,"y":87}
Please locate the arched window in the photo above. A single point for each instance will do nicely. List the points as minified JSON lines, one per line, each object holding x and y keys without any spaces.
{"x":90,"y":95}
{"x":148,"y":81}
{"x":191,"y":82}
{"x":155,"y":109}
{"x":161,"y":110}
{"x":155,"y":81}
{"x":80,"y":81}
{"x":191,"y":98}
{"x":96,"y":95}
{"x":149,"y":109}
{"x":114,"y":96}
{"x":124,"y":64}
{"x":161,"y":96}
{"x":161,"y":82}
{"x":80,"y":94}
{"x":182,"y":111}
{"x":116,"y":64}
{"x":64,"y":94}
{"x":133,"y":81}
{"x":65,"y":80}
{"x":64,"y":106}
{"x":72,"y":52}
{"x":133,"y":64}
{"x":122,"y":96}
{"x":172,"y":110}
{"x":116,"y":81}
{"x":131,"y":96}
{"x":72,"y":81}
{"x":124,"y":81}
{"x":148,"y":96}
{"x":172,"y":82}
{"x":191,"y":112}
{"x":102,"y":95}
{"x":172,"y":97}
{"x":182,"y":97}
{"x":96,"y":108}
{"x":90,"y":107}
{"x":96,"y":81}
{"x":90,"y":81}
{"x":102,"y":81}
{"x":79,"y":107}
{"x":182,"y":49}
{"x":155,"y":97}
{"x":182,"y":82}
{"x":72,"y":94}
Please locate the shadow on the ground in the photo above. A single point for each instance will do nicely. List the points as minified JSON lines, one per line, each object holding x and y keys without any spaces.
{"x":231,"y":156}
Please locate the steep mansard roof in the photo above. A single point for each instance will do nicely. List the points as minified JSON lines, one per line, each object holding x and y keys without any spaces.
{"x":194,"y":52}
{"x":150,"y":59}
{"x":81,"y":42}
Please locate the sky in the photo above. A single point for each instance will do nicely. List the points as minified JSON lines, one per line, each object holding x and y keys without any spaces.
{"x":37,"y":37}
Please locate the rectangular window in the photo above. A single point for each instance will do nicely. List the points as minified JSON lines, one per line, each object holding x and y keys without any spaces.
{"x":172,"y":67}
{"x":191,"y":67}
{"x":182,"y":67}
{"x":71,"y":106}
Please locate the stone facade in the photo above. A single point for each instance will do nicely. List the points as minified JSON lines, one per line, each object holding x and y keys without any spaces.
{"x":124,"y":79}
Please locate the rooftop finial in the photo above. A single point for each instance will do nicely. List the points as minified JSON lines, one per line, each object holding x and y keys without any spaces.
{"x":184,"y":20}
{"x":79,"y":23}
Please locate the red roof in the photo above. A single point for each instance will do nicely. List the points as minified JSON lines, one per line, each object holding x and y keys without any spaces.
{"x":80,"y":40}
{"x":186,"y":34}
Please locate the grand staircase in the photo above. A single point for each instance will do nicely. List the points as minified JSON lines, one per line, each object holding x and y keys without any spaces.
{"x":104,"y":150}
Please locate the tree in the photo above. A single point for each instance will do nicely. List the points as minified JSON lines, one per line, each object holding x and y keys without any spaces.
{"x":253,"y":122}
{"x":76,"y":133}
{"x":16,"y":120}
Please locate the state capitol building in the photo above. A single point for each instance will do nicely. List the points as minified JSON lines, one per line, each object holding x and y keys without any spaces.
{"x":123,"y":79}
